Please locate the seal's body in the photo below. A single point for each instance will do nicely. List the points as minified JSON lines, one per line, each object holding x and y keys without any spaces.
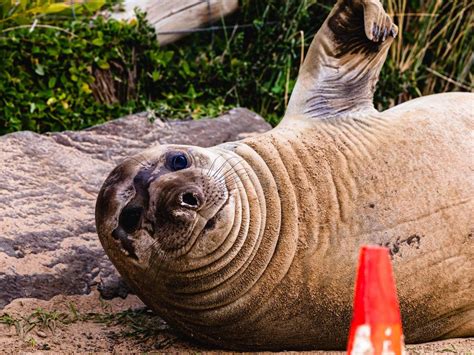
{"x":254,"y":244}
{"x":394,"y":179}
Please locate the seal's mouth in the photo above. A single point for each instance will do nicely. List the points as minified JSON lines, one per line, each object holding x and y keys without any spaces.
{"x":200,"y":228}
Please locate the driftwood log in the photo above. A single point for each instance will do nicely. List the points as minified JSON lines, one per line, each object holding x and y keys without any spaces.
{"x":174,"y":19}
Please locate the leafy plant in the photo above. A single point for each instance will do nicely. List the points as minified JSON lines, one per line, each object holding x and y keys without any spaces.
{"x":89,"y":71}
{"x":22,"y":12}
{"x":48,"y":78}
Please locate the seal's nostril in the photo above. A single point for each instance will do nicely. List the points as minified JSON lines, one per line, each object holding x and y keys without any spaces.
{"x":189,"y":199}
{"x":129,"y":219}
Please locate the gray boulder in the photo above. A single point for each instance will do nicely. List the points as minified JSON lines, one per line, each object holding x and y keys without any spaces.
{"x":48,"y":188}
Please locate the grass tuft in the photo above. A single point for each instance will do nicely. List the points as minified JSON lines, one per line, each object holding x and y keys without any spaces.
{"x":432,"y":53}
{"x":138,"y":323}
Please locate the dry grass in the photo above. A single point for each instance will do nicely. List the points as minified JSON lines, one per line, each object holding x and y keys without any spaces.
{"x":434,"y":48}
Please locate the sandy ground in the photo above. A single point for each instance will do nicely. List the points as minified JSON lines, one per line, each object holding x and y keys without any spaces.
{"x":85,"y":324}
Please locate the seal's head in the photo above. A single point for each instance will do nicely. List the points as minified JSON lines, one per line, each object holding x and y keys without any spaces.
{"x":167,"y":203}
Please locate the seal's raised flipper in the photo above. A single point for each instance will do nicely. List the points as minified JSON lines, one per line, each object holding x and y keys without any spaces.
{"x":343,"y":62}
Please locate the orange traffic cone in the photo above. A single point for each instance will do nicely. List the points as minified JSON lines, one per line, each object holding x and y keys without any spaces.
{"x":376,"y":324}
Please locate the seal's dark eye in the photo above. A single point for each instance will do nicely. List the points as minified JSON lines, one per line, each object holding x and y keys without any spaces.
{"x":178,"y":162}
{"x":130,"y":218}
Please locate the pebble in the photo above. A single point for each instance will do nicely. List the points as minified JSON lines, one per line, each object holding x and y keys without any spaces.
{"x":41,"y":334}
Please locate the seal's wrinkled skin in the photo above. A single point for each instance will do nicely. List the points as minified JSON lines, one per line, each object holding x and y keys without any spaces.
{"x":254,"y":244}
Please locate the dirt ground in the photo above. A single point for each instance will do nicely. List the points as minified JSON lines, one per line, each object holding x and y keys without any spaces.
{"x":78,"y":324}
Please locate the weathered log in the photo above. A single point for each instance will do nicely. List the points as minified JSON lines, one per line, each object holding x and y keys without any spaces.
{"x":174,"y":19}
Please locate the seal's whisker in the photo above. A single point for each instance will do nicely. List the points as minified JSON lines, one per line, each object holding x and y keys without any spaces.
{"x":225,"y":183}
{"x":233,"y":170}
{"x":220,"y":167}
{"x":238,"y":162}
{"x":137,"y":161}
{"x":155,"y":262}
{"x":227,"y":160}
{"x":145,"y":159}
{"x":212,"y":165}
{"x":230,"y":172}
{"x":218,"y":170}
{"x":150,"y":247}
{"x":234,"y":173}
{"x":233,"y":176}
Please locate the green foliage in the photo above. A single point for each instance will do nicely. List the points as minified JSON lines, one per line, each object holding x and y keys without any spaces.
{"x":48,"y":77}
{"x":23,"y":11}
{"x":83,"y":71}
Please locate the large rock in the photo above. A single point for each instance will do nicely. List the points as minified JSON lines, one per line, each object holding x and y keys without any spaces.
{"x":48,"y":187}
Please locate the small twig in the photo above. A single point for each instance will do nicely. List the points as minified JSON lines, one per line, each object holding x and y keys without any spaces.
{"x":38,"y":26}
{"x":228,"y":40}
{"x":448,"y":79}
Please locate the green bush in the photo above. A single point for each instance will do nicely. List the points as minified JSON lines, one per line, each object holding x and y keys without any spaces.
{"x":48,"y":76}
{"x":89,"y":70}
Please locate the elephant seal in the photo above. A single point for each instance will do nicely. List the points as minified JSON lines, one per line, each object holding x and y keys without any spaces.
{"x":253,"y":245}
